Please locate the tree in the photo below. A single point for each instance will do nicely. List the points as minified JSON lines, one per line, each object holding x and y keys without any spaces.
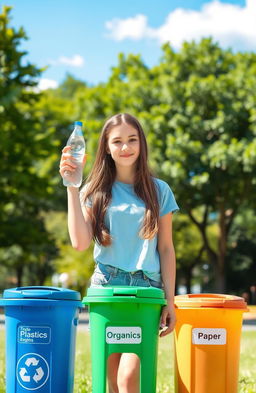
{"x":190,"y":251}
{"x":241,"y":260}
{"x":25,"y":186}
{"x":69,"y":87}
{"x":208,"y":136}
{"x":78,"y":266}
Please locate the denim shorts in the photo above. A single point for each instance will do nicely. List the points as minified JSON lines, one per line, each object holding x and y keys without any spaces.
{"x":106,"y":275}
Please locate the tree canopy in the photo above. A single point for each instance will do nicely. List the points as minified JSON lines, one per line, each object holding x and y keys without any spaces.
{"x":25,"y":146}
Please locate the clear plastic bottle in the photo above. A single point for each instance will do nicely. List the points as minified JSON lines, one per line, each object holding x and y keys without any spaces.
{"x":77,"y":143}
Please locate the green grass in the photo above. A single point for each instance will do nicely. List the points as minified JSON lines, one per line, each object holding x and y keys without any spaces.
{"x":165,"y":383}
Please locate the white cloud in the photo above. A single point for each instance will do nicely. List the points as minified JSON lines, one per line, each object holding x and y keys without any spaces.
{"x":74,"y":61}
{"x":134,"y":28}
{"x":230,"y":24}
{"x":44,"y":84}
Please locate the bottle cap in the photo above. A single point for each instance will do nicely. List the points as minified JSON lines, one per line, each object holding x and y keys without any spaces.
{"x":78,"y":123}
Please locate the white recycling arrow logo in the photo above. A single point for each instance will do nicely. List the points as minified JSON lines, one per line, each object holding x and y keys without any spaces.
{"x":25,"y":378}
{"x":37,"y":376}
{"x":32,"y":371}
{"x":40,"y":373}
{"x":31,"y":361}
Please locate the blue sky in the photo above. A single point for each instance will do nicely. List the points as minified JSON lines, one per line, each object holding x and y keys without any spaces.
{"x":85,"y":37}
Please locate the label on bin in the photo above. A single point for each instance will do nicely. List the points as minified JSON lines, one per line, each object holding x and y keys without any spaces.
{"x":123,"y":335}
{"x":34,"y":335}
{"x":206,"y":336}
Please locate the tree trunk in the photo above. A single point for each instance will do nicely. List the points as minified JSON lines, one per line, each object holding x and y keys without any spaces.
{"x":19,"y":275}
{"x":219,"y":277}
{"x":217,"y":260}
{"x":188,"y":278}
{"x":222,"y":245}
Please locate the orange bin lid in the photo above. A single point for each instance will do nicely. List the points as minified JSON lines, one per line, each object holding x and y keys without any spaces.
{"x":210,"y":300}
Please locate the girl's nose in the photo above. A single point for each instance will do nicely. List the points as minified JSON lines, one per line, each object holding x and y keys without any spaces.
{"x":124,"y":147}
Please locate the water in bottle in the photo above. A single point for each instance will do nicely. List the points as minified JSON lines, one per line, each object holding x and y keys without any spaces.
{"x":77,"y":143}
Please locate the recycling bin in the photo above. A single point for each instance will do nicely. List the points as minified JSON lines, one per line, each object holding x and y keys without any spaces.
{"x":124,"y":320}
{"x":207,"y":343}
{"x":40,"y":338}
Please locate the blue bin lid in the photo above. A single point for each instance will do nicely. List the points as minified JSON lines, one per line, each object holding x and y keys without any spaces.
{"x":41,"y":292}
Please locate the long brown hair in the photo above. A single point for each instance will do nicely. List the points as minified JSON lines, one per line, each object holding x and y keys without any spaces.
{"x":103,"y":174}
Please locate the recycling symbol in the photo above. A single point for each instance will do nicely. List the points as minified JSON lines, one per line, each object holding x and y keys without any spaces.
{"x":32,"y":371}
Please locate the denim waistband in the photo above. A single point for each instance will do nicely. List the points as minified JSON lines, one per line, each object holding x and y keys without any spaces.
{"x":111,"y":275}
{"x":115,"y":270}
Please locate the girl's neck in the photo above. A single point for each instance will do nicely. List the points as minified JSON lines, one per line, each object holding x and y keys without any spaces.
{"x":126,"y":175}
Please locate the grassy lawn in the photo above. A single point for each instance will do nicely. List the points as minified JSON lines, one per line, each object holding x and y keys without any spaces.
{"x":247,"y":380}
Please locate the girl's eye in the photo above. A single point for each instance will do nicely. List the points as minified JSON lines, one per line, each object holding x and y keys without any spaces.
{"x":130,"y":140}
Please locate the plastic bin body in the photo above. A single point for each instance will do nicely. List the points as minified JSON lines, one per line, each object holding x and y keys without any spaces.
{"x":40,"y":339}
{"x":124,"y":320}
{"x":207,"y":343}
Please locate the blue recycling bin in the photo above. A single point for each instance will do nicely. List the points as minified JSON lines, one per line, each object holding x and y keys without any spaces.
{"x":40,"y":338}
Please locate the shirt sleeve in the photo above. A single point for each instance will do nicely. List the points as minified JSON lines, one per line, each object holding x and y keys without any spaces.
{"x":88,"y":201}
{"x":167,"y":200}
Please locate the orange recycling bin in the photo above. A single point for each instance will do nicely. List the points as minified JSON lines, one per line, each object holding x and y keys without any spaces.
{"x":207,"y":343}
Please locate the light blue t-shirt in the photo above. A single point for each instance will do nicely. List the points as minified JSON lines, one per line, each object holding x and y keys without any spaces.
{"x":124,"y":218}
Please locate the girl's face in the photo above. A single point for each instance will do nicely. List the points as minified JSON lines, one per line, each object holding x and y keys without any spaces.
{"x":124,"y":145}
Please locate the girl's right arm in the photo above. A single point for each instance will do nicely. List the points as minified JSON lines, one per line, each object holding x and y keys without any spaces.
{"x":79,"y":219}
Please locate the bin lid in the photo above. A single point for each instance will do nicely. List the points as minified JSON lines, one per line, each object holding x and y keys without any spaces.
{"x":140,"y":292}
{"x":210,"y":300}
{"x":124,"y":294}
{"x":41,"y":292}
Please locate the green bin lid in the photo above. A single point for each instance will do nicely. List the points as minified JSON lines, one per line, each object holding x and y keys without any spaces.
{"x":41,"y":292}
{"x":139,"y":292}
{"x":124,"y":294}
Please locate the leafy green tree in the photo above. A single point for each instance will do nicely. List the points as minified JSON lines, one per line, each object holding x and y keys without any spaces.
{"x":24,"y":149}
{"x":57,"y":116}
{"x":69,"y":87}
{"x":78,"y":266}
{"x":190,"y":252}
{"x":208,"y":136}
{"x":241,"y":261}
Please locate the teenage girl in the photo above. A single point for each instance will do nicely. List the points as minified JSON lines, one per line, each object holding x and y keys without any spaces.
{"x":128,"y":213}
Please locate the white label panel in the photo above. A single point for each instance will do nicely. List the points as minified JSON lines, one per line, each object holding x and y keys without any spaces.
{"x":205,"y":336}
{"x":123,"y":335}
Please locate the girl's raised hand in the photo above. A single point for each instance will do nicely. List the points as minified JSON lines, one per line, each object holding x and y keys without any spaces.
{"x":67,"y":162}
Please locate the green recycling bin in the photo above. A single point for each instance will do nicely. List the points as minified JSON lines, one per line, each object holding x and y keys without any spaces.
{"x":124,"y":320}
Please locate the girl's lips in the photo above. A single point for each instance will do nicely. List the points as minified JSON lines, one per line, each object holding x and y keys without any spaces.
{"x":126,"y":155}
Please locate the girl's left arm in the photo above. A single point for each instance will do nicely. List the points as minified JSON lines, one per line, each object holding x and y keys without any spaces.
{"x":168,"y":271}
